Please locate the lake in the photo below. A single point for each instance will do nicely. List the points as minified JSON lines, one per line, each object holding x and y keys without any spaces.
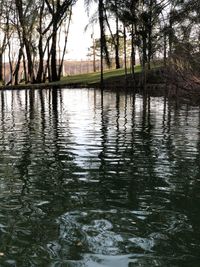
{"x":92,"y":180}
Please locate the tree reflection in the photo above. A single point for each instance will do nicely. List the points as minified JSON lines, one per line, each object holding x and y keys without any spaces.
{"x":125,"y":184}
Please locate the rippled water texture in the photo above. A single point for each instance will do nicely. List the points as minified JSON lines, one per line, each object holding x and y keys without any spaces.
{"x":92,"y":182}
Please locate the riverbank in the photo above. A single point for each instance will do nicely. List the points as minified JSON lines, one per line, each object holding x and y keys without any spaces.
{"x":81,"y":80}
{"x":112,"y":78}
{"x":159,"y":81}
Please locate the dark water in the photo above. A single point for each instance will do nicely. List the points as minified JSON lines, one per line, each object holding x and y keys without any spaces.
{"x":86,"y":182}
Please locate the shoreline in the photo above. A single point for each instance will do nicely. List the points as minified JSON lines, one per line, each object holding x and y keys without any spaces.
{"x":157,"y":84}
{"x":112,"y":78}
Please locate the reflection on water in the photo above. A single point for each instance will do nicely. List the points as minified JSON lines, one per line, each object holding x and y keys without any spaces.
{"x":92,"y":181}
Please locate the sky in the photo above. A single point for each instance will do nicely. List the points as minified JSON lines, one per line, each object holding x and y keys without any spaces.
{"x":79,"y":41}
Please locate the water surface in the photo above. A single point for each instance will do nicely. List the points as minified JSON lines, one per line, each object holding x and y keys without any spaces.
{"x":92,"y":181}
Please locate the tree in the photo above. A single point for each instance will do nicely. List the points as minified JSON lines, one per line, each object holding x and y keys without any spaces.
{"x":26,"y":21}
{"x":102,"y":26}
{"x":57,"y":10}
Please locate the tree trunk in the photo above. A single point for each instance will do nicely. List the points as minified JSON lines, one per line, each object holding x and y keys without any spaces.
{"x":101,"y":22}
{"x":54,"y":74}
{"x":29,"y":61}
{"x":10,"y":64}
{"x":47,"y":68}
{"x":149,"y":49}
{"x":16,"y":72}
{"x":150,"y":35}
{"x":125,"y":56}
{"x":117,"y":61}
{"x":144,"y":57}
{"x":41,"y":61}
{"x":65,"y":45}
{"x":25,"y":69}
{"x":94,"y":55}
{"x":165,"y":49}
{"x":40,"y":71}
{"x":132,"y":52}
{"x":1,"y":67}
{"x":170,"y":33}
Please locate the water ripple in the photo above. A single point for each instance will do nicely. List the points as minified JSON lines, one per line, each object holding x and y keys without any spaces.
{"x":86,"y":181}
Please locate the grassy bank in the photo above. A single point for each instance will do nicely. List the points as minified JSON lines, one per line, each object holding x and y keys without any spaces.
{"x":159,"y":82}
{"x":94,"y":77}
{"x":88,"y":79}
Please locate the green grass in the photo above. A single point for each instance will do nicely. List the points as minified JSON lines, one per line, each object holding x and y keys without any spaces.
{"x":94,"y":77}
{"x":86,"y":78}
